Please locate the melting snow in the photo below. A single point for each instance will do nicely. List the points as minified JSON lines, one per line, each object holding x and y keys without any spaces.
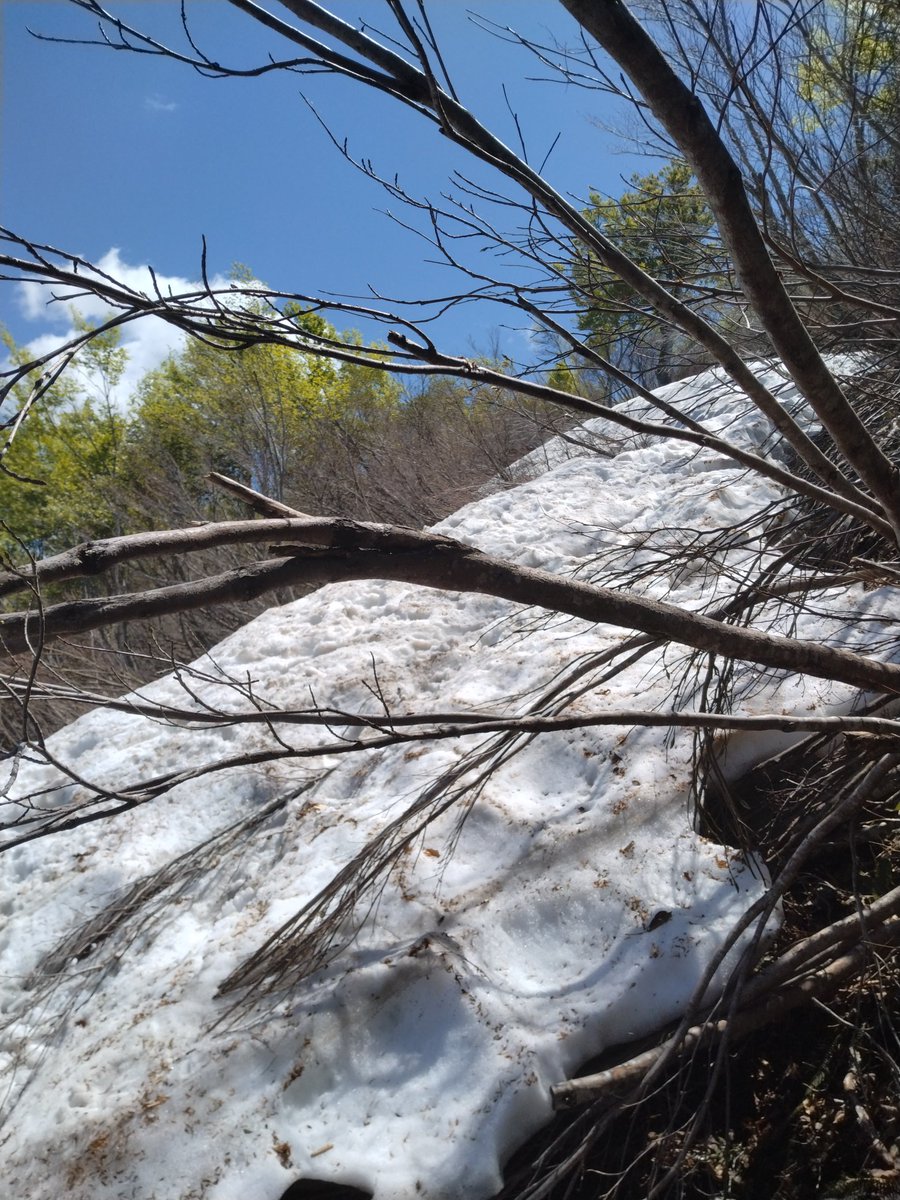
{"x":501,"y":953}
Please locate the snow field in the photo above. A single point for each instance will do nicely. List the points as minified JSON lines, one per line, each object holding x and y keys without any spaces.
{"x":501,"y":952}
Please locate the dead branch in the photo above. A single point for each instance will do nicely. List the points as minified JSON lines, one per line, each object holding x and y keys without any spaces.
{"x":433,"y":561}
{"x":256,"y":500}
{"x":681,"y":113}
{"x":440,"y":725}
{"x":337,"y":533}
{"x":764,"y":1000}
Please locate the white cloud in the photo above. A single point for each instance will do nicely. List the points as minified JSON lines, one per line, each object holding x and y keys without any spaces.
{"x":149,"y":340}
{"x":157,"y":103}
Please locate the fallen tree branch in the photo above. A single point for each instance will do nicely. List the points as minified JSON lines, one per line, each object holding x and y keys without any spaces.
{"x":774,"y":992}
{"x":257,"y":501}
{"x":460,"y":724}
{"x":338,"y":533}
{"x":430,"y":560}
{"x":34,"y":822}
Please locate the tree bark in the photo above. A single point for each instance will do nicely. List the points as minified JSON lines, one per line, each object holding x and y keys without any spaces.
{"x":681,"y":114}
{"x":430,"y":560}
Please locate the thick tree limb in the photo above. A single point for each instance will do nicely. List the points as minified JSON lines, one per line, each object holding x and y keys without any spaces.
{"x":433,"y":561}
{"x":681,"y":114}
{"x":336,"y":533}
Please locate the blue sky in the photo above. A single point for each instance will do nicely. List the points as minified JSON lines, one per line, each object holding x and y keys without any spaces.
{"x":132,"y":159}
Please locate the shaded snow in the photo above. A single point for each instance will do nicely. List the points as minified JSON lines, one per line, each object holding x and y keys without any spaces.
{"x":500,"y":954}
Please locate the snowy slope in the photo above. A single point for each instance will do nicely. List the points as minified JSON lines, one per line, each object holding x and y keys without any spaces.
{"x":499,"y":955}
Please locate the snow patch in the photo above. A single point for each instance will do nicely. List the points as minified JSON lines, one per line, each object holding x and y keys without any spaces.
{"x":512,"y":940}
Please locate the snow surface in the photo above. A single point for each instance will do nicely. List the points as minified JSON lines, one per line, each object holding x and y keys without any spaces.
{"x":501,"y":953}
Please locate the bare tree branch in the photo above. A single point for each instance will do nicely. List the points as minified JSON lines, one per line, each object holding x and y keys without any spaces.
{"x":681,"y":113}
{"x":437,"y":562}
{"x":764,"y":1000}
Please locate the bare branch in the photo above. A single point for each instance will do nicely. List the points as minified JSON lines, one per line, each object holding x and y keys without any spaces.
{"x":437,"y":562}
{"x":764,"y":1000}
{"x":681,"y":113}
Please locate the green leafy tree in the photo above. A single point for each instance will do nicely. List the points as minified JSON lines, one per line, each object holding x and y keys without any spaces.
{"x":262,"y":414}
{"x":852,"y":58}
{"x":849,"y":82}
{"x":59,"y":484}
{"x":665,"y":225}
{"x":564,"y":378}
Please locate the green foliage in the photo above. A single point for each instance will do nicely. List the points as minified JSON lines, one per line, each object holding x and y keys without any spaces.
{"x":665,"y":225}
{"x":564,"y":379}
{"x":852,"y":61}
{"x":82,"y":468}
{"x":59,"y":484}
{"x":258,"y":414}
{"x":324,"y":436}
{"x":848,"y":112}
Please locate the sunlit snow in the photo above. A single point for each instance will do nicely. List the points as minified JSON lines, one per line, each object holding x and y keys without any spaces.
{"x":501,"y":953}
